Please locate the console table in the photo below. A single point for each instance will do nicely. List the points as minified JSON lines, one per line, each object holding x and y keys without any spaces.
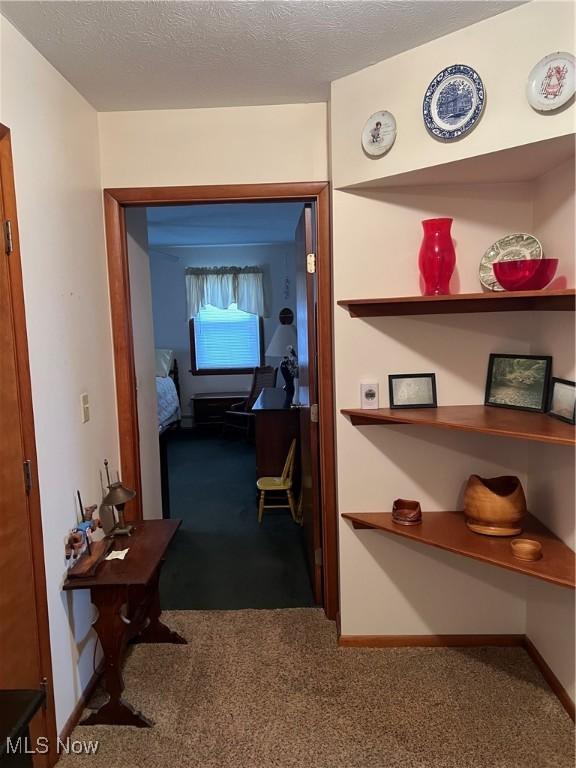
{"x":132,"y":582}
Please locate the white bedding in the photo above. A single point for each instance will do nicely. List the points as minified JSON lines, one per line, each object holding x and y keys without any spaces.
{"x":168,"y":403}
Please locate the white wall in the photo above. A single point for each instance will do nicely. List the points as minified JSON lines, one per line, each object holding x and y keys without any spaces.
{"x":169,"y":302}
{"x":390,"y":586}
{"x":238,"y":145}
{"x":144,"y":361}
{"x":57,"y":173}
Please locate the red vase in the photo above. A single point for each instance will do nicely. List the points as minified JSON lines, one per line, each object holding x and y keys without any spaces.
{"x":437,"y":257}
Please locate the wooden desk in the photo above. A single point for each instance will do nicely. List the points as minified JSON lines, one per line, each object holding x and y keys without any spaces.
{"x":276,"y":425}
{"x":132,"y":582}
{"x":208,"y":408}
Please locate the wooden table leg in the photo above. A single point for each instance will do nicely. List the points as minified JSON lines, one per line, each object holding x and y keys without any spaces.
{"x":112,"y":630}
{"x":155,"y":631}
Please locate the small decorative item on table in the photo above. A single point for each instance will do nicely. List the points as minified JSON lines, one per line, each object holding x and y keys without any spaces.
{"x":551,"y":82}
{"x":563,"y":400}
{"x":518,"y":381}
{"x":406,"y":512}
{"x":437,"y":257}
{"x":369,"y":395}
{"x":519,"y":246}
{"x":525,"y":274}
{"x":494,"y":506}
{"x":379,"y":134}
{"x":118,"y":495}
{"x":453,"y":102}
{"x":526,"y":549}
{"x":412,"y":390}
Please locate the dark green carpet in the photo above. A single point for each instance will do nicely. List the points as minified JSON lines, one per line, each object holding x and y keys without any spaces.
{"x":221,"y":559}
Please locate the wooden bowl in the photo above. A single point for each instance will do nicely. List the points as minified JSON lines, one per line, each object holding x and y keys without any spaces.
{"x":494,"y":506}
{"x":526,"y":549}
{"x":406,"y":512}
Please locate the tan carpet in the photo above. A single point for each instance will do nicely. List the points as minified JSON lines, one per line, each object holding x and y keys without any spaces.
{"x":271,"y":689}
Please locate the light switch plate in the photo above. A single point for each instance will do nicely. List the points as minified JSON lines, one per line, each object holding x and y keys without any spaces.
{"x":85,"y":406}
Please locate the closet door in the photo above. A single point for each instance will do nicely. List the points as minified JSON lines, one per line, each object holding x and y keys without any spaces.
{"x":24,"y":643}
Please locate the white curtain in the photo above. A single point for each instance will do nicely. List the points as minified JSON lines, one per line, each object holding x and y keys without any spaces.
{"x":223,"y":286}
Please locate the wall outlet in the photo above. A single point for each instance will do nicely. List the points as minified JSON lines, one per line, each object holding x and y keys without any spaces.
{"x":85,"y":406}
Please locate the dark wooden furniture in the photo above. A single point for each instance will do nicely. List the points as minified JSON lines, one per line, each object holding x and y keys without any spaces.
{"x":17,"y":708}
{"x":463,"y":303}
{"x":240,"y":416}
{"x":208,"y":408}
{"x":447,"y":530}
{"x":163,"y":437}
{"x":132,"y":582}
{"x":502,"y":422}
{"x":276,"y":424}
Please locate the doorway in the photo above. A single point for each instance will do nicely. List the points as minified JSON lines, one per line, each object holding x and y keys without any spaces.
{"x":316,"y":284}
{"x":25,"y":661}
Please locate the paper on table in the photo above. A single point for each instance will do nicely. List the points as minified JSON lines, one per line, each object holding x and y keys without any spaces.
{"x":117,"y":554}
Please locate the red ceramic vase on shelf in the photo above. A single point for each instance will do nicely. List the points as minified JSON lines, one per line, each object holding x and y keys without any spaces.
{"x":437,"y":257}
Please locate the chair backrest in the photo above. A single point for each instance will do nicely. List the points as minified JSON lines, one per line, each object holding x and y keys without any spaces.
{"x":265,"y":376}
{"x":289,"y":463}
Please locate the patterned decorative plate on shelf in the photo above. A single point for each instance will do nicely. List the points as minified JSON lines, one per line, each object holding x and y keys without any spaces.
{"x":379,"y":133}
{"x":552,"y":82}
{"x":453,"y":102}
{"x":509,"y":248}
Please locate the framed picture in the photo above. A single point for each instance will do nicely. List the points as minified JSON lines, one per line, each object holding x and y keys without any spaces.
{"x":563,"y":400}
{"x":412,"y":390}
{"x":518,"y":381}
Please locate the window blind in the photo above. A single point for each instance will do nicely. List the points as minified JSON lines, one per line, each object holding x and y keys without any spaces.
{"x":226,"y":338}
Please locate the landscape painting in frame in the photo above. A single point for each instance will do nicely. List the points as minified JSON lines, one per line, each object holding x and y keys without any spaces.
{"x":563,"y":400}
{"x":518,"y":381}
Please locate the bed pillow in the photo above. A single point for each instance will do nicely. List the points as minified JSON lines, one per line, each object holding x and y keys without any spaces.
{"x":164,"y":358}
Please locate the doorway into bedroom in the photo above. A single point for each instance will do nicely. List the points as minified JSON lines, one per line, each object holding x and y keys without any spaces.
{"x":223,"y":322}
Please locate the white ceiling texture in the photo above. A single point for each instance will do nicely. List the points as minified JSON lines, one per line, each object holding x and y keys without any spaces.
{"x":164,"y":54}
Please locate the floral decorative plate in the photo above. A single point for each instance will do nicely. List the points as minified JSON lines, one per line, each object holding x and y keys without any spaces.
{"x":379,"y":133}
{"x":453,"y":102}
{"x":509,"y":248}
{"x":551,"y":83}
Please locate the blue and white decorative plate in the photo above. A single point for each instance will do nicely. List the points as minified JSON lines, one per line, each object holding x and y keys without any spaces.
{"x":453,"y":102}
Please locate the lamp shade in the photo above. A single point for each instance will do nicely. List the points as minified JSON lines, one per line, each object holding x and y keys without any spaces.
{"x":118,"y":495}
{"x":284,"y":336}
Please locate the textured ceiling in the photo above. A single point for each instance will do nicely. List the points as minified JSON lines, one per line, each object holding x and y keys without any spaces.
{"x":222,"y":224}
{"x":127,"y":55}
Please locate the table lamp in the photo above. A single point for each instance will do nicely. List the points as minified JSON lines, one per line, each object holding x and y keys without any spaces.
{"x":117,"y":497}
{"x":282,"y":344}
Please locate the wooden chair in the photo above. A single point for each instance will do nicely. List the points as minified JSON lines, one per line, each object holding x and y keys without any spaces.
{"x":282,"y":484}
{"x":240,"y":416}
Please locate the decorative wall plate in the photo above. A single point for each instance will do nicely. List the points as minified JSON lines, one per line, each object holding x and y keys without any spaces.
{"x":509,"y":248}
{"x":551,"y":82}
{"x":453,"y":102}
{"x":379,"y":133}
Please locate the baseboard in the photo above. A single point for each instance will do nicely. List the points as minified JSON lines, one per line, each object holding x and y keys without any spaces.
{"x":555,"y":684}
{"x":427,"y":641}
{"x":74,"y":718}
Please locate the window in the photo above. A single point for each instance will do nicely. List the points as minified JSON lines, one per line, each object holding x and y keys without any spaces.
{"x":225,"y":341}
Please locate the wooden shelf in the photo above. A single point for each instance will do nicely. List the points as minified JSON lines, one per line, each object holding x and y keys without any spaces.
{"x":502,"y":422}
{"x":464,"y":303}
{"x":512,"y":164}
{"x":447,"y":530}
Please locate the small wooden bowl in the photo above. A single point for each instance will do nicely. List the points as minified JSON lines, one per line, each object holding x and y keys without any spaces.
{"x":526,"y":549}
{"x":406,"y":512}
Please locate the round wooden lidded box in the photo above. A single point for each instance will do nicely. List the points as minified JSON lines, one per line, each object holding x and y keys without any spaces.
{"x":494,"y":506}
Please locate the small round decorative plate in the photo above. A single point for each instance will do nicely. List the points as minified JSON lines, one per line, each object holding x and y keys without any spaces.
{"x":551,"y":83}
{"x":379,"y":133}
{"x":509,"y":248}
{"x":453,"y":102}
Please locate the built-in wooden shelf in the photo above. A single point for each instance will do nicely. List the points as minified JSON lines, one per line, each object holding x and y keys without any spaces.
{"x":503,"y":422}
{"x":464,"y":303}
{"x":524,"y":162}
{"x":447,"y":530}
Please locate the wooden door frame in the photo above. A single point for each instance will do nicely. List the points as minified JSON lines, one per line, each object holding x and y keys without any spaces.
{"x":28,"y":433}
{"x":115,"y":203}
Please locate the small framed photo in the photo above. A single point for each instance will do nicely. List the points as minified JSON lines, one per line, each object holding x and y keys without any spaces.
{"x":563,"y":400}
{"x":412,"y":390}
{"x":518,"y":381}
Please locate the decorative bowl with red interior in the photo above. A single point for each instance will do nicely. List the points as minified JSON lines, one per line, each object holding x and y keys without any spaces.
{"x":525,"y":274}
